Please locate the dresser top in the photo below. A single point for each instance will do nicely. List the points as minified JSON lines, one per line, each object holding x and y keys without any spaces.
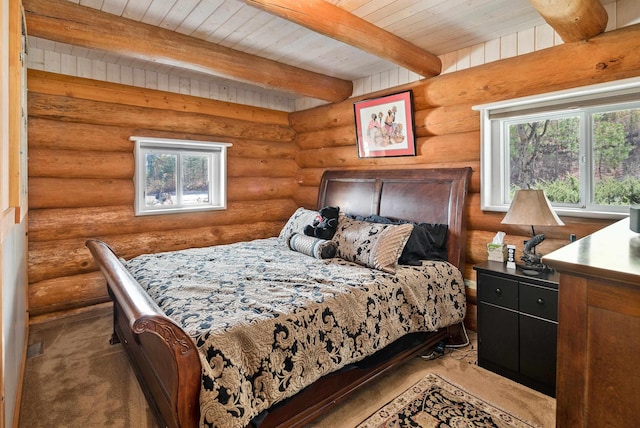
{"x":612,"y":252}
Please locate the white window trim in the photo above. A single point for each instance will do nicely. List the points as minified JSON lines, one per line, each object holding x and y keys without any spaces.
{"x":492,"y":164}
{"x":220,"y":170}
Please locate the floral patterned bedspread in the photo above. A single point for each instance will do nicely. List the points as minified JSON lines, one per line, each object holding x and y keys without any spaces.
{"x":269,"y":321}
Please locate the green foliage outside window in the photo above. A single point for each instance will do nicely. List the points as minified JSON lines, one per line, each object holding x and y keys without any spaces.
{"x":613,"y":192}
{"x":544,"y":154}
{"x":161,"y":173}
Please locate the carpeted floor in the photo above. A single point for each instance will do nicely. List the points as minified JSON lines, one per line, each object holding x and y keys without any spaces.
{"x":75,"y":378}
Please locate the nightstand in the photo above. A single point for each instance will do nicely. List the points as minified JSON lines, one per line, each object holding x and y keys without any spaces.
{"x":518,"y":325}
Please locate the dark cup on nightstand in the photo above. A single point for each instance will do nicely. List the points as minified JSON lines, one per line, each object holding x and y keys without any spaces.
{"x":634,"y":218}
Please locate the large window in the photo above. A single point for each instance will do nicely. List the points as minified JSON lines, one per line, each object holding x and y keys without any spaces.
{"x":582,"y":147}
{"x":179,"y":175}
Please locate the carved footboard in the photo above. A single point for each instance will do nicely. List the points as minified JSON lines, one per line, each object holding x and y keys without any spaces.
{"x":164,"y":358}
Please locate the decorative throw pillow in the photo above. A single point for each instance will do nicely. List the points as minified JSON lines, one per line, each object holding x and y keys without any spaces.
{"x":428,"y":241}
{"x":374,"y":245}
{"x":296,"y":223}
{"x":312,"y":246}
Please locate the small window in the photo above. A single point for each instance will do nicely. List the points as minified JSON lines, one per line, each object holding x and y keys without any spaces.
{"x":582,"y":147}
{"x":179,"y":175}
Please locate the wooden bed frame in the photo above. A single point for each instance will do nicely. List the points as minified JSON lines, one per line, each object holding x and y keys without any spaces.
{"x":165,"y":359}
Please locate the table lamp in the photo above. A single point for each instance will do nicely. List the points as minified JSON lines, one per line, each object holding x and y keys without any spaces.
{"x":530,"y":207}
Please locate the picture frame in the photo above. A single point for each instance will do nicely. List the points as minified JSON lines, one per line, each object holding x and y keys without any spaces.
{"x":391,"y":132}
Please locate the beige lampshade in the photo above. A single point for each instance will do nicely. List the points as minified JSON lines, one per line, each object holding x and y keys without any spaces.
{"x":531,"y":207}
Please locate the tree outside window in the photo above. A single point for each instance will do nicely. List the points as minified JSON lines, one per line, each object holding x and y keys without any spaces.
{"x":551,"y":153}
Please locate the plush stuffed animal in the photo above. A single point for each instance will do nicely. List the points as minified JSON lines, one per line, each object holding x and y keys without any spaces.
{"x":325,"y":225}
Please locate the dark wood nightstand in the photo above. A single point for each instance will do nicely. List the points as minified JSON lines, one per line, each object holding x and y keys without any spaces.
{"x":518,"y":325}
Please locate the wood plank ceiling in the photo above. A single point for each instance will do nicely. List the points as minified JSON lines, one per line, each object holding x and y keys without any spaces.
{"x":311,"y":48}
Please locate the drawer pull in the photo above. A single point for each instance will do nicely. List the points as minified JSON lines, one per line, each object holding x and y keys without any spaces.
{"x":498,"y":291}
{"x":540,"y":301}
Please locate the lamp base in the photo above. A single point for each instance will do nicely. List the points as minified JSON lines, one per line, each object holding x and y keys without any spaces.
{"x":537,"y":269}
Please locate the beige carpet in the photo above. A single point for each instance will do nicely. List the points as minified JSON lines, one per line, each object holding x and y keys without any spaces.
{"x":79,"y":380}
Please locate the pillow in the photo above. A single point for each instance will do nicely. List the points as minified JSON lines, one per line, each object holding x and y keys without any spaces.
{"x":296,"y":223}
{"x":428,"y":241}
{"x":311,"y":246}
{"x":374,"y":245}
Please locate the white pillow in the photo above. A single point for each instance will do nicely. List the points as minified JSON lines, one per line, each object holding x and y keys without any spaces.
{"x":312,"y":246}
{"x":296,"y":223}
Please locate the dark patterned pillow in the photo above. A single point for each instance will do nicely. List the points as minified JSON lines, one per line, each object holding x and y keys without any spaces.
{"x":374,"y":245}
{"x":297,"y":222}
{"x":312,"y":246}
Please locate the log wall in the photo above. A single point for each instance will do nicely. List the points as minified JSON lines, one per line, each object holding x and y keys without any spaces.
{"x":81,"y":171}
{"x":81,"y":160}
{"x":448,"y":130}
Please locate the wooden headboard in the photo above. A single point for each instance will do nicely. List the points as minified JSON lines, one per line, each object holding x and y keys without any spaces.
{"x":435,"y":195}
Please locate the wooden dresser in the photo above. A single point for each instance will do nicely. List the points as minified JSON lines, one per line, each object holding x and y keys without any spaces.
{"x":598,"y":375}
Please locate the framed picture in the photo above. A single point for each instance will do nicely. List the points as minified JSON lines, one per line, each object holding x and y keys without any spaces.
{"x":384,"y":126}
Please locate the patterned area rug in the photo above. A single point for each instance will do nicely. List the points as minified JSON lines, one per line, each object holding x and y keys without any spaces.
{"x":435,"y":402}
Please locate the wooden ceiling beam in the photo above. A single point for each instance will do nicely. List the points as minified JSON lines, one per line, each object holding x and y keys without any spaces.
{"x":63,"y":21}
{"x":573,"y":20}
{"x":337,"y":23}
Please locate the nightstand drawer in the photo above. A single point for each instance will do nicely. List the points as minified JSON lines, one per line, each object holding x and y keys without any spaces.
{"x":539,"y":301}
{"x":499,"y":291}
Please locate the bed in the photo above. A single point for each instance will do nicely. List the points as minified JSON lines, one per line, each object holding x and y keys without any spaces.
{"x":183,"y":374}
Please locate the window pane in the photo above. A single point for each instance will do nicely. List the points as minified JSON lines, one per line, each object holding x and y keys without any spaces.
{"x":195,"y":179}
{"x":544,"y":154}
{"x":179,"y":175}
{"x":616,"y":160}
{"x":160,"y":185}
